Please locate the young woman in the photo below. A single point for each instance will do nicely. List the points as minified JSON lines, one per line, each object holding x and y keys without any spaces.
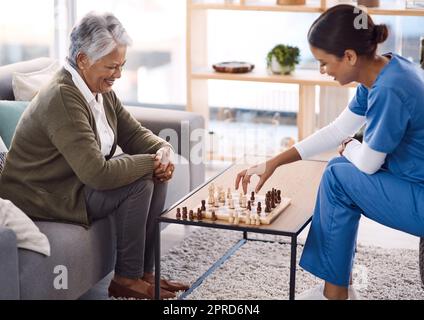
{"x":382,"y":177}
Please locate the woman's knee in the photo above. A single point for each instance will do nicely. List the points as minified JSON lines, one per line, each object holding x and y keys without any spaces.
{"x":336,"y":160}
{"x":142,"y":185}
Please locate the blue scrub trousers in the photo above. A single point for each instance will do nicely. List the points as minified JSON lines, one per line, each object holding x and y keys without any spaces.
{"x":344,"y":194}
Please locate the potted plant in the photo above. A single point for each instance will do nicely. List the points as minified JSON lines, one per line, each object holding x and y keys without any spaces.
{"x":282,"y":59}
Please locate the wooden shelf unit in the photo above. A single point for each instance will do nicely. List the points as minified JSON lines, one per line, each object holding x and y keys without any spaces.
{"x":198,"y":71}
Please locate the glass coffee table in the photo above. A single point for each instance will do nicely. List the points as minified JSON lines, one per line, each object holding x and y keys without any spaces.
{"x":298,"y":181}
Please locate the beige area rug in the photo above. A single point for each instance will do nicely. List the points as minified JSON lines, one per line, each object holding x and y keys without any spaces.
{"x":260,"y":270}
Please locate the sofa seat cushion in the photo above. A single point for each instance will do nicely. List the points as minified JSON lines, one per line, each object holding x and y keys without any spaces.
{"x":86,"y":255}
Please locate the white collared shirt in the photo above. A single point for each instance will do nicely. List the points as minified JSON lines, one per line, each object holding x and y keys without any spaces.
{"x":104,"y":130}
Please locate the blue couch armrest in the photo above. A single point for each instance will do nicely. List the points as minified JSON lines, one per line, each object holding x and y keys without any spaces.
{"x":184,"y":130}
{"x":9,"y":268}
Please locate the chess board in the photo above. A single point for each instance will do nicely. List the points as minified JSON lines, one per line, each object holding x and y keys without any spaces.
{"x":217,"y":206}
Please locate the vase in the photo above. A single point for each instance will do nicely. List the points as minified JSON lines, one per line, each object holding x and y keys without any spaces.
{"x":291,"y":2}
{"x":369,"y":3}
{"x":277,"y":68}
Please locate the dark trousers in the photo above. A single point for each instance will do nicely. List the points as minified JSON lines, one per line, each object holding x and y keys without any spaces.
{"x":134,"y":207}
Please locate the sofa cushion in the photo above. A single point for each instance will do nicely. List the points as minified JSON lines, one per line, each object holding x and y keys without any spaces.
{"x":10,"y":113}
{"x":26,"y":85}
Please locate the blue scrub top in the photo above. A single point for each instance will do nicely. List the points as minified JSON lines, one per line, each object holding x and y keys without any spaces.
{"x":394,"y":111}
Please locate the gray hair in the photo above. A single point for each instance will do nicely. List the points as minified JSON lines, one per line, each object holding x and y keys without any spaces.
{"x":96,"y":35}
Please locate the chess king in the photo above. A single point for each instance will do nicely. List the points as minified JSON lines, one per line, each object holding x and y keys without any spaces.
{"x":387,"y":164}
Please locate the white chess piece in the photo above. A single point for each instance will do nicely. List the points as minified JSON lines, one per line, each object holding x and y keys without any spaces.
{"x":229,"y":193}
{"x":236,"y":218}
{"x":243,"y":202}
{"x":258,"y":220}
{"x":247,"y":219}
{"x":216,"y":202}
{"x":230,"y":219}
{"x":231,"y":204}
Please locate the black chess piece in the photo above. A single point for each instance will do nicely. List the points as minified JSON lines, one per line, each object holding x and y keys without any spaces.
{"x":203,"y":205}
{"x":259,"y":208}
{"x":249,"y":206}
{"x":178,"y":215}
{"x":278,"y":196}
{"x":191,"y":215}
{"x":199,"y":214}
{"x":185,"y":213}
{"x":252,"y":196}
{"x":214,"y":217}
{"x":267,"y":206}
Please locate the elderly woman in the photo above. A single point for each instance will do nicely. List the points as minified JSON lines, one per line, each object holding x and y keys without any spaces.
{"x":60,"y":165}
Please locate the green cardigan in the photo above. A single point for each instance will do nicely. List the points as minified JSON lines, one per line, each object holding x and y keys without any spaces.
{"x":56,"y":151}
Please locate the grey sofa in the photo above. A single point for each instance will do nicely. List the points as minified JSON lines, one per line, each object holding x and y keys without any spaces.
{"x":88,"y":255}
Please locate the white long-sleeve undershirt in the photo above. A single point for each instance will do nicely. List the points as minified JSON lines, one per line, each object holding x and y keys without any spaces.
{"x":331,"y":136}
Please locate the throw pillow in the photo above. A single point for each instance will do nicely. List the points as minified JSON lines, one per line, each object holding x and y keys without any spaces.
{"x":28,"y":235}
{"x":3,"y":147}
{"x":10,"y":113}
{"x":26,"y":85}
{"x":2,"y":160}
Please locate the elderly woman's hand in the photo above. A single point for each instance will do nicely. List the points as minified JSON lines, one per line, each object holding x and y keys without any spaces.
{"x":164,"y":167}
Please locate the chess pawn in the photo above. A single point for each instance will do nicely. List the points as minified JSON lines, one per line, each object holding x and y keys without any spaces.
{"x":258,"y":220}
{"x":231,"y":204}
{"x":178,"y":215}
{"x":236,"y":218}
{"x":247,"y":219}
{"x":211,"y":199}
{"x":214,"y":217}
{"x":191,"y":215}
{"x":199,"y":214}
{"x":184,"y":213}
{"x":243,"y":202}
{"x":249,"y":207}
{"x":252,"y":198}
{"x":259,"y":208}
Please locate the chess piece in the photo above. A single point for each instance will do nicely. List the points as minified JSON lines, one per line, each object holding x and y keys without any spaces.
{"x":279,"y":196}
{"x":178,"y":215}
{"x":211,"y":198}
{"x":214,"y":217}
{"x":199,"y":214}
{"x":243,"y":202}
{"x":259,"y":208}
{"x":231,"y":204}
{"x":216,"y":203}
{"x":203,"y":208}
{"x":247,"y":219}
{"x":229,"y":193}
{"x":236,"y":218}
{"x":240,"y":198}
{"x":252,"y":198}
{"x":191,"y":215}
{"x":267,"y":206}
{"x":211,"y":188}
{"x":258,"y":221}
{"x":230,"y":219}
{"x":249,"y":207}
{"x":184,"y":213}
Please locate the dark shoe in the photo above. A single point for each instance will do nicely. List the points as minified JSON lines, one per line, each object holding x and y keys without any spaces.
{"x":117,"y":290}
{"x":170,"y":285}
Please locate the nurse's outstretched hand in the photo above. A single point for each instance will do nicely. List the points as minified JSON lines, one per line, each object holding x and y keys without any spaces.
{"x":264,"y":170}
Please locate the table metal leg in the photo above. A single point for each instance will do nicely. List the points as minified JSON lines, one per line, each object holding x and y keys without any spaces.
{"x":245,"y":235}
{"x":157,"y":260}
{"x":293,"y":250}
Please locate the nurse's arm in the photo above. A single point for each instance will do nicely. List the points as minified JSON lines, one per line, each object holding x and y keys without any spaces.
{"x":363,"y":157}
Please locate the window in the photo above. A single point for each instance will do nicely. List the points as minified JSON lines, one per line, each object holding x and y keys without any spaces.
{"x":155,"y":72}
{"x":26,"y":30}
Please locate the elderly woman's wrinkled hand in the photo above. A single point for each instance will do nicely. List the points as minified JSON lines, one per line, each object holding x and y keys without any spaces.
{"x":164,"y":167}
